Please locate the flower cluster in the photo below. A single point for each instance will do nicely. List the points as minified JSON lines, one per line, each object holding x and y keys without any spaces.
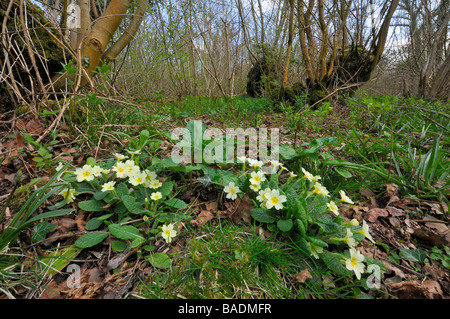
{"x":269,"y":198}
{"x":124,"y":168}
{"x":274,"y":198}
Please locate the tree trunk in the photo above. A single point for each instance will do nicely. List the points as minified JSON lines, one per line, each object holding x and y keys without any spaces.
{"x":290,"y":40}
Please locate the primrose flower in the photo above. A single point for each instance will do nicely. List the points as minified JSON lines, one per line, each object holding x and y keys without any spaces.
{"x":255,"y":163}
{"x":316,"y":250}
{"x":355,"y":262}
{"x":349,"y":238}
{"x":97,"y":170}
{"x":365,"y":231}
{"x":68,"y":194}
{"x":60,"y":165}
{"x":156,"y":196}
{"x":151,"y":175}
{"x":255,"y":187}
{"x":155,"y":183}
{"x":85,"y":173}
{"x":354,"y":222}
{"x":120,"y":157}
{"x":138,"y":178}
{"x":121,"y":169}
{"x":307,"y":175}
{"x":321,"y":190}
{"x":257,"y":177}
{"x":292,"y":175}
{"x":134,"y":153}
{"x":168,"y":233}
{"x":332,"y":206}
{"x":231,"y":190}
{"x":131,"y":168}
{"x":109,"y":186}
{"x":262,"y":195}
{"x":345,"y":198}
{"x":275,"y":199}
{"x":242,"y":159}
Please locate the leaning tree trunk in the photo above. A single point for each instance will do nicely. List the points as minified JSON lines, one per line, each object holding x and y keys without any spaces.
{"x":33,"y":49}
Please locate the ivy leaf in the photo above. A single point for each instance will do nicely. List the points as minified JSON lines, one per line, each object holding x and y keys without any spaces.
{"x":41,"y":230}
{"x":417,"y":255}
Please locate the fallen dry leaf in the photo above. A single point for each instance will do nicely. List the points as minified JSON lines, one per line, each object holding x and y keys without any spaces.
{"x":302,"y":276}
{"x":373,"y":214}
{"x":414,"y":289}
{"x":202,"y":218}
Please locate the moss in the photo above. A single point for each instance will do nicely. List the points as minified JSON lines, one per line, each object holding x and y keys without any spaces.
{"x":353,"y":65}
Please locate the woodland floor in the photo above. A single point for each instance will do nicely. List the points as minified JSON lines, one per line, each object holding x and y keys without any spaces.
{"x":109,"y":274}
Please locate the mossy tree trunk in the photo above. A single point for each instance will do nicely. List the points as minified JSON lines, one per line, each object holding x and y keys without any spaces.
{"x":33,"y":49}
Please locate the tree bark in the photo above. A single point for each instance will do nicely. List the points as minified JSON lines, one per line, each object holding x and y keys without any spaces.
{"x":290,"y":40}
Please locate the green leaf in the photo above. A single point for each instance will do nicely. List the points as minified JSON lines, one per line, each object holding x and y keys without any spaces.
{"x":224,"y":178}
{"x":136,"y":242}
{"x":100,"y":195}
{"x":41,"y":230}
{"x":122,"y":189}
{"x":118,"y":245}
{"x":160,"y":260}
{"x":53,"y":213}
{"x":125,"y":231}
{"x":59,"y":259}
{"x":334,"y":263}
{"x":287,"y":152}
{"x":176,"y":203}
{"x":166,"y":188}
{"x":91,"y":161}
{"x":301,"y":227}
{"x":417,"y":255}
{"x":343,"y":173}
{"x":91,"y":205}
{"x":302,"y":212}
{"x":285,"y":225}
{"x":263,"y":215}
{"x":90,"y":239}
{"x":132,"y":205}
{"x":327,"y":224}
{"x":93,"y":223}
{"x":316,"y":241}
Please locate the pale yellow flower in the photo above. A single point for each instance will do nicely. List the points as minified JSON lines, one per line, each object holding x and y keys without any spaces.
{"x":355,"y":262}
{"x":333,"y":208}
{"x":168,"y":233}
{"x":68,"y":194}
{"x":345,"y":198}
{"x":231,"y":190}
{"x":121,"y":169}
{"x":257,"y":177}
{"x":156,"y":196}
{"x":85,"y":173}
{"x":109,"y":186}
{"x":321,"y":190}
{"x":275,"y":199}
{"x":137,"y":178}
